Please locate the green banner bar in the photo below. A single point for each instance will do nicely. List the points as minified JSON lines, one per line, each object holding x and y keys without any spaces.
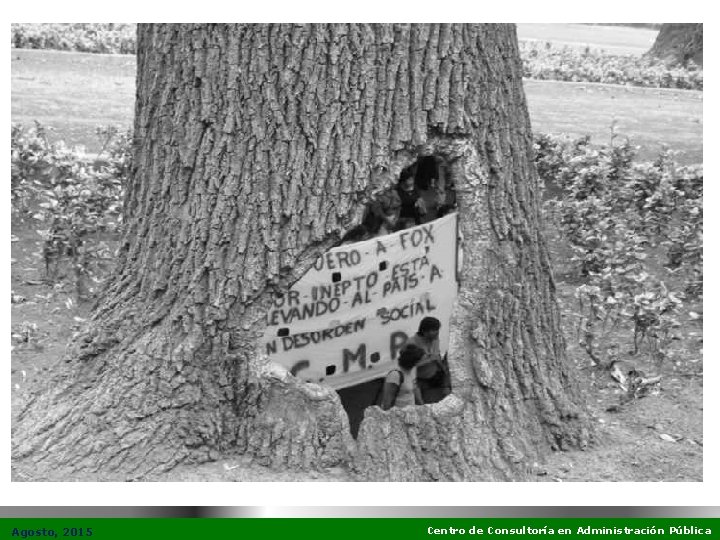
{"x":356,"y":528}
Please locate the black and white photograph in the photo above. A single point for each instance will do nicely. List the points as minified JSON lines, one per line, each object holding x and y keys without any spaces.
{"x":357,"y":252}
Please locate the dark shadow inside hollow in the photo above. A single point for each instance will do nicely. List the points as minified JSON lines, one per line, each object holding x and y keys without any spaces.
{"x":355,"y":399}
{"x":427,"y":169}
{"x":434,"y":184}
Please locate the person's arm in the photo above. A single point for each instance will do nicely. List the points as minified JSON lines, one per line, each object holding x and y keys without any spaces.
{"x":391,"y":387}
{"x":434,"y":353}
{"x":440,"y":196}
{"x":390,"y":391}
{"x":418,"y":395}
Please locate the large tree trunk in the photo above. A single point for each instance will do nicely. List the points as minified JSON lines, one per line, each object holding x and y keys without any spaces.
{"x":678,"y":43}
{"x":256,"y":147}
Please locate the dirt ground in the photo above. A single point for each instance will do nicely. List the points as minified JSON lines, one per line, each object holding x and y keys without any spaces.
{"x":655,"y":438}
{"x":650,"y":439}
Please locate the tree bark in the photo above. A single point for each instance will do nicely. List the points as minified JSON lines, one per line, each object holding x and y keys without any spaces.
{"x":256,"y":148}
{"x":678,"y":43}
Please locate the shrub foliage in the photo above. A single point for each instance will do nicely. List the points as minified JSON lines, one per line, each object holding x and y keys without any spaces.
{"x":626,"y":223}
{"x":544,"y":61}
{"x":74,"y":200}
{"x":108,"y":38}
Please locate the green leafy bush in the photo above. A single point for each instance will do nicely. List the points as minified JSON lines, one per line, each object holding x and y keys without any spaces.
{"x":75,"y":200}
{"x":618,"y":216}
{"x":543,"y":61}
{"x":30,"y":164}
{"x":108,"y":38}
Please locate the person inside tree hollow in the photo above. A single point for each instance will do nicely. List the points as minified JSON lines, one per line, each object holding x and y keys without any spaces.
{"x":430,"y":185}
{"x":433,"y":375}
{"x":380,"y":218}
{"x":399,"y":388}
{"x":384,"y":211}
{"x":395,"y":208}
{"x":412,"y":206}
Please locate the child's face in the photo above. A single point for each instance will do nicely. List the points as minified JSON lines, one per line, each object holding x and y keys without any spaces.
{"x":432,"y":334}
{"x":408,"y":184}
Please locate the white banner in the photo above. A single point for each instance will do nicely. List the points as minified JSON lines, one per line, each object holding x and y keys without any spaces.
{"x":344,"y":321}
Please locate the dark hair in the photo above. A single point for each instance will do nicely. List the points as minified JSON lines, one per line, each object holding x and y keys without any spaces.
{"x":428,"y":323}
{"x":407,"y":172}
{"x":410,"y":356}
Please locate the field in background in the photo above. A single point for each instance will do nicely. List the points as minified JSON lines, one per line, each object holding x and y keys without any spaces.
{"x":650,"y":117}
{"x":74,"y":93}
{"x":613,"y":39}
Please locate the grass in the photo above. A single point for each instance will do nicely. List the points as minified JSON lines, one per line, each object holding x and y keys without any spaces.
{"x":74,"y":93}
{"x":613,"y":39}
{"x":650,"y":117}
